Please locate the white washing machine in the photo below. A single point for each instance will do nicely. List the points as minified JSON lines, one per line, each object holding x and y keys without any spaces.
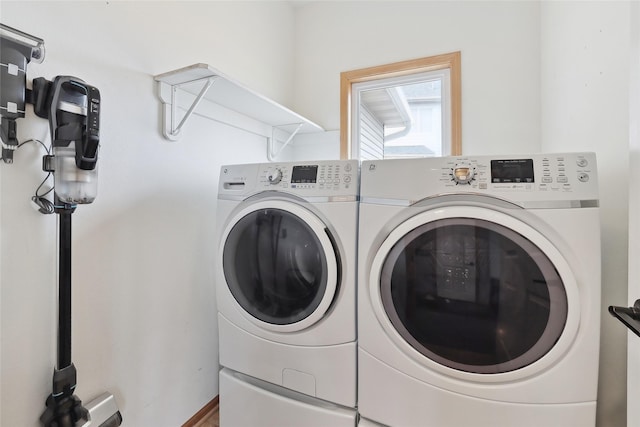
{"x":479,"y":291}
{"x":286,"y":276}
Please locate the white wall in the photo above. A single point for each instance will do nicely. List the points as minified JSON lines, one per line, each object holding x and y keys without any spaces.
{"x":585,"y":106}
{"x":143,"y":310}
{"x":316,"y":146}
{"x":500,"y":47}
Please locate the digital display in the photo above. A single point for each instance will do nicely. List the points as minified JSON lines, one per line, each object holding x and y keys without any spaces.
{"x":304,"y":174}
{"x":517,"y":171}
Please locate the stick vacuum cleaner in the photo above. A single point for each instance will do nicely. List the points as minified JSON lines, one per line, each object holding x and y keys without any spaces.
{"x":73,"y":110}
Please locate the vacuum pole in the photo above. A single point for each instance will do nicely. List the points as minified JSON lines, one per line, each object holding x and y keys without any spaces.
{"x":64,"y":409}
{"x":64,"y":289}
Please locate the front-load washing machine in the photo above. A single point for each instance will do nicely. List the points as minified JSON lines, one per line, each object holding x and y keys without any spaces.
{"x":479,"y":291}
{"x":286,"y":276}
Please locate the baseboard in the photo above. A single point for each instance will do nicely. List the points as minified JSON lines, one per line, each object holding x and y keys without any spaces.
{"x":202,"y":413}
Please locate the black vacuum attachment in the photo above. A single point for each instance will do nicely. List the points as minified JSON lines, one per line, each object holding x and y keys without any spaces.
{"x":17,"y":49}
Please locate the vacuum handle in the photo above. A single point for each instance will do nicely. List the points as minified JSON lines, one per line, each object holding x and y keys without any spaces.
{"x":87,"y":153}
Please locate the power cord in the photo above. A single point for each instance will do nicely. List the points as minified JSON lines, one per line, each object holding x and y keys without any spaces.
{"x":44,"y":205}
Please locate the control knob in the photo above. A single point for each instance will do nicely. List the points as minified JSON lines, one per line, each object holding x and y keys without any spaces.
{"x":275,"y":176}
{"x":463,"y":173}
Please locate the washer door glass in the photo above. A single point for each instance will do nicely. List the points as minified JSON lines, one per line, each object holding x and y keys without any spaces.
{"x":473,"y":295}
{"x":275,"y":266}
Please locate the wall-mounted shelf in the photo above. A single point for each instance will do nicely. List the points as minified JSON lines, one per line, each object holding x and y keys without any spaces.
{"x":205,"y":82}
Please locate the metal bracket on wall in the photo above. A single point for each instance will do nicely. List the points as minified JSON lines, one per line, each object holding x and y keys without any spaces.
{"x":271,"y":152}
{"x":169,"y":98}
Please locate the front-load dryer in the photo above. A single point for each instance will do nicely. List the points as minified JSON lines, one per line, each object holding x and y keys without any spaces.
{"x":286,"y":275}
{"x":479,"y":291}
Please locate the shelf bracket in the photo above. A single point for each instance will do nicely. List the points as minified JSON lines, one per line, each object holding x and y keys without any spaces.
{"x":169,"y":97}
{"x":271,"y":154}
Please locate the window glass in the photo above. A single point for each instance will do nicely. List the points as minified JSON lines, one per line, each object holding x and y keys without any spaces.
{"x":421,"y":135}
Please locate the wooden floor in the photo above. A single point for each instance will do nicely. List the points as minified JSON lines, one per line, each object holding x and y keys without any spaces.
{"x":211,"y":420}
{"x":208,"y":416}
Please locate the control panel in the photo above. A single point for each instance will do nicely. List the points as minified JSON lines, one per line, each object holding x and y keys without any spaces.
{"x":543,"y":172}
{"x":309,"y":176}
{"x":307,"y":179}
{"x":528,"y":177}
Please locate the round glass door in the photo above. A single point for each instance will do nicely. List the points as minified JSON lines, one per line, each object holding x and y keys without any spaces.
{"x":473,"y":295}
{"x":280,"y":265}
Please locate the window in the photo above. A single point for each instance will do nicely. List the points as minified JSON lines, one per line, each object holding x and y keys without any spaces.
{"x":405,"y":109}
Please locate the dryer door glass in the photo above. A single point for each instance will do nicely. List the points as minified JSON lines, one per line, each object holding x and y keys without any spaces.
{"x":473,"y":295}
{"x":275,"y":266}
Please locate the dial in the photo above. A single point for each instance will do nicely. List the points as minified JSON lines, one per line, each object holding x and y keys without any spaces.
{"x":463,"y":173}
{"x":582,"y":162}
{"x":275,"y":176}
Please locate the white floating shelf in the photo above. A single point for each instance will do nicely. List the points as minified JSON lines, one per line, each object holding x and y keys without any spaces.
{"x":205,"y":82}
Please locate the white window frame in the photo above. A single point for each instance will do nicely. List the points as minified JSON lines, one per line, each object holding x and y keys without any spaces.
{"x":449,"y":61}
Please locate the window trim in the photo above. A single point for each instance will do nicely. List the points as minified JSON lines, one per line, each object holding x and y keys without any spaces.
{"x":397,"y":69}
